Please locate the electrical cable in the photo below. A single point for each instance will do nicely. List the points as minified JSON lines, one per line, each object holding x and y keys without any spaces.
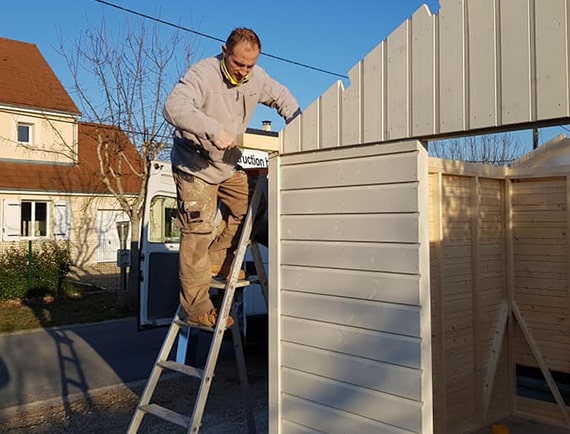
{"x":205,"y":35}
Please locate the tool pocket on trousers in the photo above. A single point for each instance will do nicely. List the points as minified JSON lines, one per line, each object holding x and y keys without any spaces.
{"x":194,"y":216}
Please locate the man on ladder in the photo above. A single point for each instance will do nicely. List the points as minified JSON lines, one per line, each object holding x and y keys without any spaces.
{"x":209,"y":107}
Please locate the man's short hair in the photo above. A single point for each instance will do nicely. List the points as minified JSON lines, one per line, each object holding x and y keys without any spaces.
{"x":243,"y":34}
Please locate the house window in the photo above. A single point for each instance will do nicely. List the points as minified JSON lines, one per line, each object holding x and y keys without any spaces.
{"x":33,"y":219}
{"x":24,"y":133}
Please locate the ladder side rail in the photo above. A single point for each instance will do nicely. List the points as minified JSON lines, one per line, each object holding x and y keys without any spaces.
{"x":152,"y":381}
{"x":227,"y":301}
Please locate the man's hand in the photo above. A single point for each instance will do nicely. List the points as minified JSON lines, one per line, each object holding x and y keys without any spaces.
{"x":224,"y":141}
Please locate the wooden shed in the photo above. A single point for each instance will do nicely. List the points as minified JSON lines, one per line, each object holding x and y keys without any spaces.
{"x":408,"y":293}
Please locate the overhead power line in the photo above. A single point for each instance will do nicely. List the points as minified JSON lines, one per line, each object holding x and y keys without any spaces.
{"x":205,"y":35}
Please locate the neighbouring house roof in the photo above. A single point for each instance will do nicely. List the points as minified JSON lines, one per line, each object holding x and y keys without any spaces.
{"x":82,"y":177}
{"x":27,"y":80}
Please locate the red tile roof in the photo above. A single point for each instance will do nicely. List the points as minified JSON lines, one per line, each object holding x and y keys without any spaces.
{"x":82,"y":177}
{"x":27,"y":80}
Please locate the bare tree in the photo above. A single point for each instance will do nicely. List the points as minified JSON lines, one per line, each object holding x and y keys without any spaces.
{"x":495,"y":149}
{"x":121,"y":79}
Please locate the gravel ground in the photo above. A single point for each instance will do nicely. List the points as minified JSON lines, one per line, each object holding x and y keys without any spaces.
{"x":109,"y":410}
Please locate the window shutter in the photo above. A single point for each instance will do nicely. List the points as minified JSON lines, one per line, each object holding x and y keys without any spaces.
{"x":62,"y":223}
{"x":11,"y":220}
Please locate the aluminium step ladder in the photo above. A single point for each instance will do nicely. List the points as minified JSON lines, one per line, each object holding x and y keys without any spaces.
{"x":179,"y":325}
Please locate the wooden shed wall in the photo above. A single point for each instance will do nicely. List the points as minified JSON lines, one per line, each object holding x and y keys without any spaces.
{"x":352,"y":334}
{"x":496,"y":239}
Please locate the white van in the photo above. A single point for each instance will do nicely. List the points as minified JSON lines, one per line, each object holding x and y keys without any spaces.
{"x":159,"y":245}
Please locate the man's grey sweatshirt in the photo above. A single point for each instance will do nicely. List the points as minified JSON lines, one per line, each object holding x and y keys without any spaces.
{"x":203,"y":103}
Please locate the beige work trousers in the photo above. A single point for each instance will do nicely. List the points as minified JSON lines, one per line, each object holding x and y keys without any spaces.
{"x":199,"y":246}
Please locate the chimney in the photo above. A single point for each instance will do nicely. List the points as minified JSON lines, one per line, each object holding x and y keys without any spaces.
{"x":266,"y":125}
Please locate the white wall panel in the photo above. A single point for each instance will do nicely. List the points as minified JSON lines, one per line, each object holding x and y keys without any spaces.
{"x":359,"y":199}
{"x":378,"y":406}
{"x":374,"y":105}
{"x":351,"y":113}
{"x":370,"y":344}
{"x":515,"y":62}
{"x":304,"y":413}
{"x":551,"y":22}
{"x":451,"y":67}
{"x":393,"y":379}
{"x":311,"y":127}
{"x":398,"y":76}
{"x":290,"y":138}
{"x":359,"y":284}
{"x":482,"y":64}
{"x":396,"y":167}
{"x":353,"y":227}
{"x":423,"y":72}
{"x":330,"y":116}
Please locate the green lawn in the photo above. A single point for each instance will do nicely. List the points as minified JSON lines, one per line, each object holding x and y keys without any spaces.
{"x":74,"y":308}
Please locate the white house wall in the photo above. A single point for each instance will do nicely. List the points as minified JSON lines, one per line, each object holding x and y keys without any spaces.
{"x":350,"y":341}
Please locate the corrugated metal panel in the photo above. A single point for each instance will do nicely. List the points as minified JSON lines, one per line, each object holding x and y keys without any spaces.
{"x":351,"y":282}
{"x":477,"y":65}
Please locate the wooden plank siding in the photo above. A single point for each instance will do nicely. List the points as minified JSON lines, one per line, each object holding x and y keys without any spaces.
{"x":352,"y":268}
{"x":469,"y":272}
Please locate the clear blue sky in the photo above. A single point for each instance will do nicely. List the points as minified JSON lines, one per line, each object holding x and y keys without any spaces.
{"x":329,"y":34}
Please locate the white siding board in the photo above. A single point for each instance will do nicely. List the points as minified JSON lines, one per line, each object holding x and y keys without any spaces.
{"x":515,"y":61}
{"x":310,"y":127}
{"x":330,"y":117}
{"x":351,"y":107}
{"x":451,"y":67}
{"x":396,"y":258}
{"x":375,"y":198}
{"x":352,"y":227}
{"x":326,"y":420}
{"x":382,"y":377}
{"x":343,"y":154}
{"x":374,"y":345}
{"x":423,"y":72}
{"x":400,"y":167}
{"x":551,"y":58}
{"x":290,"y":136}
{"x":385,"y":317}
{"x":482,"y":64}
{"x":289,"y":427}
{"x":373,"y":95}
{"x":366,"y":285}
{"x":360,"y":401}
{"x":399,"y":78}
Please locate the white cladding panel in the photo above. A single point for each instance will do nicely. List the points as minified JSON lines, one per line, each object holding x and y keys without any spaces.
{"x":476,"y":65}
{"x":515,"y":72}
{"x":349,"y":271}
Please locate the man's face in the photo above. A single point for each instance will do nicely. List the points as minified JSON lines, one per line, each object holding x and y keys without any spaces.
{"x":240,"y":60}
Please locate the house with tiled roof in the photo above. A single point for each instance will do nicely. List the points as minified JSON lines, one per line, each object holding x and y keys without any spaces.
{"x":50,"y":183}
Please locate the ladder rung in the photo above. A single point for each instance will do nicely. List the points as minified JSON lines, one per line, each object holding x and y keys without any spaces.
{"x":179,"y":367}
{"x":181,"y":322}
{"x":166,"y":414}
{"x":221,"y":283}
